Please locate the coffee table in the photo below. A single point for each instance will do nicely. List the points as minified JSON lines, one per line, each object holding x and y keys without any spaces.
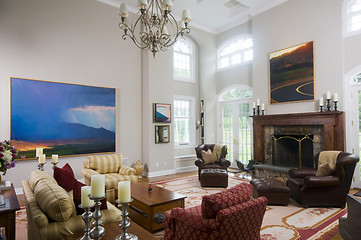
{"x":147,"y":203}
{"x":7,"y":215}
{"x":112,"y":230}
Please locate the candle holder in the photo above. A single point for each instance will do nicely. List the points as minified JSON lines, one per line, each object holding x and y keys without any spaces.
{"x":254,"y":111}
{"x":321,"y":108}
{"x":54,"y":165}
{"x":335,"y":105}
{"x":328,"y":104}
{"x":86,"y":216}
{"x":124,"y":225}
{"x":258,"y":110}
{"x":262,"y":112}
{"x":41,"y":166}
{"x":98,"y":231}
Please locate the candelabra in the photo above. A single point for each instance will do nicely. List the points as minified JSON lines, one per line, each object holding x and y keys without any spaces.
{"x":263,"y":112}
{"x":124,"y":225}
{"x":98,"y":231}
{"x":254,"y":111}
{"x":321,"y":108}
{"x":86,"y":216}
{"x":328,"y":104}
{"x":335,"y":105}
{"x":41,"y":166}
{"x":258,"y":110}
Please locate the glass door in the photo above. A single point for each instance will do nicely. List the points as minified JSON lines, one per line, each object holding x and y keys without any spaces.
{"x":356,"y":129}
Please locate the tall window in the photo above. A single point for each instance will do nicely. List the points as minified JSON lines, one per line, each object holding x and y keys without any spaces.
{"x":236,"y":51}
{"x":353,"y":16}
{"x":183,"y":60}
{"x":183,"y":118}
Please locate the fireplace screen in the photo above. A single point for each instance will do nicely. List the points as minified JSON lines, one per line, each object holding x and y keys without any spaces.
{"x":292,"y":151}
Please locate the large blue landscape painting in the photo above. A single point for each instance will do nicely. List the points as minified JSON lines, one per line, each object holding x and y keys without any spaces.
{"x":64,"y":119}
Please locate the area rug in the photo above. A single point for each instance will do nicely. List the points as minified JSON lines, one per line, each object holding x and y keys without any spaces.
{"x":279,"y":223}
{"x":21,"y":230}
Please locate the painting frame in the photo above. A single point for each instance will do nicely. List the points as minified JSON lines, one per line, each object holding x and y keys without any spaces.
{"x":292,"y":74}
{"x":62,"y":118}
{"x":162,"y":113}
{"x":162,"y":134}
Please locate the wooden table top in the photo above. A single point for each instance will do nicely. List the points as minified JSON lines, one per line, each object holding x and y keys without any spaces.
{"x":112,"y":230}
{"x":158,"y":195}
{"x":13,"y":200}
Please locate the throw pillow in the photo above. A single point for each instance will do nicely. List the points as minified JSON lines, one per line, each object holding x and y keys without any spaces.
{"x":65,"y":177}
{"x":208,"y":157}
{"x":326,"y":169}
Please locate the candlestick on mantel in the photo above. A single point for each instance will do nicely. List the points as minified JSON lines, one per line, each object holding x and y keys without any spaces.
{"x":335,"y":97}
{"x":124,"y":191}
{"x":98,"y":186}
{"x":258,"y":102}
{"x":321,"y":102}
{"x":328,"y":95}
{"x":38,"y":152}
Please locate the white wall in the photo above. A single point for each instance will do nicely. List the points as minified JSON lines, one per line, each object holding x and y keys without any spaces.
{"x":72,"y":42}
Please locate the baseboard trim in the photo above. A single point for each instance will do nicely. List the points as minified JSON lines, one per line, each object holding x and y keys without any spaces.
{"x":186,"y":169}
{"x":159,"y":173}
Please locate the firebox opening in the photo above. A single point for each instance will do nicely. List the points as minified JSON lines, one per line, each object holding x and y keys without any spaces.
{"x":292,"y":151}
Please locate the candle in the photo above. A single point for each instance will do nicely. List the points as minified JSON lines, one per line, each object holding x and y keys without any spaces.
{"x":42,"y":158}
{"x":86,"y":202}
{"x":258,"y":102}
{"x":98,"y":186}
{"x":328,"y":95}
{"x":335,"y":97}
{"x":39,"y":151}
{"x":321,"y":101}
{"x":123,"y":12}
{"x":124,"y":191}
{"x":262,"y":106}
{"x":254,"y":105}
{"x":54,"y":158}
{"x":186,"y":15}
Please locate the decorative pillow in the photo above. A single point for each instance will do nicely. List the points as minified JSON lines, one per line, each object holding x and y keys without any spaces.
{"x":77,"y":198}
{"x":65,"y":177}
{"x":326,"y":169}
{"x":208,"y":157}
{"x":54,"y":200}
{"x":105,"y":163}
{"x":211,"y":204}
{"x":37,"y":175}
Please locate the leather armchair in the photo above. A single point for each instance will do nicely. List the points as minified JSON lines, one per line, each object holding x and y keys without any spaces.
{"x":323,"y":191}
{"x":222,"y":162}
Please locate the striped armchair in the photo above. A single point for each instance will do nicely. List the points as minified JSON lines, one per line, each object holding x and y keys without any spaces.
{"x":112,"y":167}
{"x":51,"y":212}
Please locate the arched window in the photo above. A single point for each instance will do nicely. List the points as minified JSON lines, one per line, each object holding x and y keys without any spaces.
{"x":236,"y":51}
{"x":183,"y":60}
{"x":352,"y":14}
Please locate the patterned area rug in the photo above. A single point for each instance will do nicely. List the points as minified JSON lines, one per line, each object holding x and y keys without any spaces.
{"x":21,"y":224}
{"x":279,"y":223}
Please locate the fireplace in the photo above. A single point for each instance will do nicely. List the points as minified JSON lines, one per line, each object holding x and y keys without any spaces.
{"x":295,"y":151}
{"x":280,"y":139}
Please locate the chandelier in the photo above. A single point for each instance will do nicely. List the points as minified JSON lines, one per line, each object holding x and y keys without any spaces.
{"x":154,"y":28}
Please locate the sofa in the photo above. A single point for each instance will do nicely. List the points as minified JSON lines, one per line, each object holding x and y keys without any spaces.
{"x":229,"y":215}
{"x":112,"y":167}
{"x":51,"y":212}
{"x":324,"y":186}
{"x":220,"y":157}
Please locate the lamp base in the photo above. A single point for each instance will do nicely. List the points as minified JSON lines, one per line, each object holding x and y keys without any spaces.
{"x":128,"y":236}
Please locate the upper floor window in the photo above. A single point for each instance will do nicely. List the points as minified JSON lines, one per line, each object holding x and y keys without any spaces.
{"x":234,"y":52}
{"x":353,"y":16}
{"x":356,"y":78}
{"x":183,"y":60}
{"x":236,"y":94}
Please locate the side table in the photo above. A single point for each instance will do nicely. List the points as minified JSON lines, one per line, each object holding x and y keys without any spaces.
{"x":7,"y":214}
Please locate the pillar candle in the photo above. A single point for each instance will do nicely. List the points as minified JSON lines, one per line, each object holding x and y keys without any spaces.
{"x":186,"y":15}
{"x":39,"y":151}
{"x":98,"y":186}
{"x":42,"y":158}
{"x":124,"y":191}
{"x":262,"y":106}
{"x":254,"y":105}
{"x":86,"y":202}
{"x":54,"y":158}
{"x":328,"y":95}
{"x":321,"y":101}
{"x":258,"y":102}
{"x":335,"y":97}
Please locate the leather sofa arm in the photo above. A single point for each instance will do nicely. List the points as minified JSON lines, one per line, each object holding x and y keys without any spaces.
{"x":224,"y":163}
{"x":199,"y":163}
{"x":321,"y":181}
{"x":301,"y":173}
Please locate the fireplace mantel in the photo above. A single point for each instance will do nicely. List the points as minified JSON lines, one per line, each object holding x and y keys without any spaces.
{"x":333,"y":123}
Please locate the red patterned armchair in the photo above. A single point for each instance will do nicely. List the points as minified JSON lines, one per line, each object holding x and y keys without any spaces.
{"x":230,"y":214}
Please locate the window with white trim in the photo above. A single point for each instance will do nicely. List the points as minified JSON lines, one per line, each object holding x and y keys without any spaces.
{"x":236,"y":51}
{"x":184,"y":132}
{"x":353,"y":16}
{"x":183,"y":60}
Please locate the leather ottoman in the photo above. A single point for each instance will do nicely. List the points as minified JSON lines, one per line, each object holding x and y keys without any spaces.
{"x":214,"y":177}
{"x":276,"y":192}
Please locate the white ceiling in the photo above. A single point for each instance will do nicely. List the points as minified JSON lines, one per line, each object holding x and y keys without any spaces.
{"x":214,"y":16}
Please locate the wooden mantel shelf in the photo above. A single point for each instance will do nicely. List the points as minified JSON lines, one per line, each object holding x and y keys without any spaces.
{"x":333,"y":123}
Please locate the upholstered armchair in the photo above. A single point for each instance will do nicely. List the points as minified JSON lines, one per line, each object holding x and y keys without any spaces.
{"x":230,"y":214}
{"x":326,"y":187}
{"x":113,"y":169}
{"x":221,"y":162}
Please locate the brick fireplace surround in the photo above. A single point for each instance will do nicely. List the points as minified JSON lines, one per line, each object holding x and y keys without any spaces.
{"x":328,"y":129}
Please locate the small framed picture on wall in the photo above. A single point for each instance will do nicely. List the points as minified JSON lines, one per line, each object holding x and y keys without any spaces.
{"x":161,"y":113}
{"x":162,"y":134}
